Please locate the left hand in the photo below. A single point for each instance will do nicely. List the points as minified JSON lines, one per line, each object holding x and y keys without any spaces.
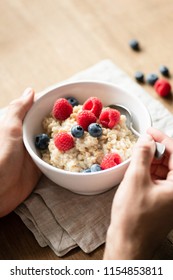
{"x":18,"y":173}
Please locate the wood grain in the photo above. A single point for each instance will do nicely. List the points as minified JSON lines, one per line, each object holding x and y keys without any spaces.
{"x":44,"y":42}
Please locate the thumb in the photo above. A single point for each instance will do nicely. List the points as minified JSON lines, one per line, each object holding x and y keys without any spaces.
{"x":19,"y":107}
{"x":142,"y":157}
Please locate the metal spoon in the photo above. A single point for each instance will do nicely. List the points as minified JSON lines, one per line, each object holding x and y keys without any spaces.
{"x":160,"y":148}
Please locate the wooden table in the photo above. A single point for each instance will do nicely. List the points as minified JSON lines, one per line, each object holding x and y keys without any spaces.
{"x":45,"y":42}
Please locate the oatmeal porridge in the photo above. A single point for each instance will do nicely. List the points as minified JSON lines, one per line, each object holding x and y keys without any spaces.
{"x":99,"y":132}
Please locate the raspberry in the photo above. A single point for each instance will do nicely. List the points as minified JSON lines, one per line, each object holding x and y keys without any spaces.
{"x":64,"y":141}
{"x":62,"y":109}
{"x":85,"y":118}
{"x":94,"y":105}
{"x":109,"y":117}
{"x":110,"y":160}
{"x":162,"y":87}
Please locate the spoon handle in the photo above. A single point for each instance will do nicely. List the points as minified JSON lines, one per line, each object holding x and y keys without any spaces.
{"x":160,"y":148}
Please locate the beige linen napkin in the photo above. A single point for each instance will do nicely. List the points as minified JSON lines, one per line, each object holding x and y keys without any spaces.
{"x":64,"y":220}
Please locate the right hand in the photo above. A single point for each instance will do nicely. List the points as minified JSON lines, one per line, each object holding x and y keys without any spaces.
{"x":142,"y":209}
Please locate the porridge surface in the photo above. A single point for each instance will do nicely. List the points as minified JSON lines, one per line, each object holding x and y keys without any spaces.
{"x":87,"y":150}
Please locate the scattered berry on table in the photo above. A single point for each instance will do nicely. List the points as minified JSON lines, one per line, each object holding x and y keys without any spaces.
{"x":62,"y":109}
{"x":162,"y":87}
{"x":109,"y":117}
{"x":95,"y":168}
{"x":42,"y":141}
{"x":110,"y":160}
{"x":151,"y":78}
{"x":94,"y":105}
{"x":77,"y":131}
{"x":134,"y":44}
{"x":85,"y":118}
{"x":64,"y":141}
{"x":73,"y":101}
{"x":164,"y":71}
{"x":139,"y":76}
{"x":95,"y":130}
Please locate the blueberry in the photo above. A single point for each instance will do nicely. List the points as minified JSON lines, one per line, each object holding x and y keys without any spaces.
{"x":42,"y":141}
{"x":88,"y":170}
{"x":164,"y":71}
{"x":134,"y":44}
{"x":73,"y":101}
{"x":95,"y":130}
{"x":151,"y":79}
{"x":77,"y":131}
{"x":139,"y":76}
{"x":95,"y":168}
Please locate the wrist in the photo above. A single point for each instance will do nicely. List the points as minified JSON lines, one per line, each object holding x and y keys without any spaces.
{"x":120,"y":246}
{"x":115,"y":248}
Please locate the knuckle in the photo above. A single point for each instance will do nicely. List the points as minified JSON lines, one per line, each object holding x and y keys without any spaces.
{"x":144,"y":148}
{"x":144,"y":153}
{"x":15,"y":104}
{"x":14,"y":129}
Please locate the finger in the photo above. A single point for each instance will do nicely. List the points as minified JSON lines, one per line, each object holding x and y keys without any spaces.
{"x":168,"y":142}
{"x":159,"y":171}
{"x":170,"y":177}
{"x":142,"y":156}
{"x":161,"y":137}
{"x":18,"y":108}
{"x":170,"y":173}
{"x":156,"y":134}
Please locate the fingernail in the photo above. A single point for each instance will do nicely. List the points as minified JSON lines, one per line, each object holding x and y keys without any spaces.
{"x":27,"y":91}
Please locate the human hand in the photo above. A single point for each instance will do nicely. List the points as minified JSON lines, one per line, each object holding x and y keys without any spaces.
{"x":18,"y":173}
{"x":142,"y":209}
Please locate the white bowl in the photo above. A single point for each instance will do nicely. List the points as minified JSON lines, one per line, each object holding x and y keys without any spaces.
{"x":82,"y":183}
